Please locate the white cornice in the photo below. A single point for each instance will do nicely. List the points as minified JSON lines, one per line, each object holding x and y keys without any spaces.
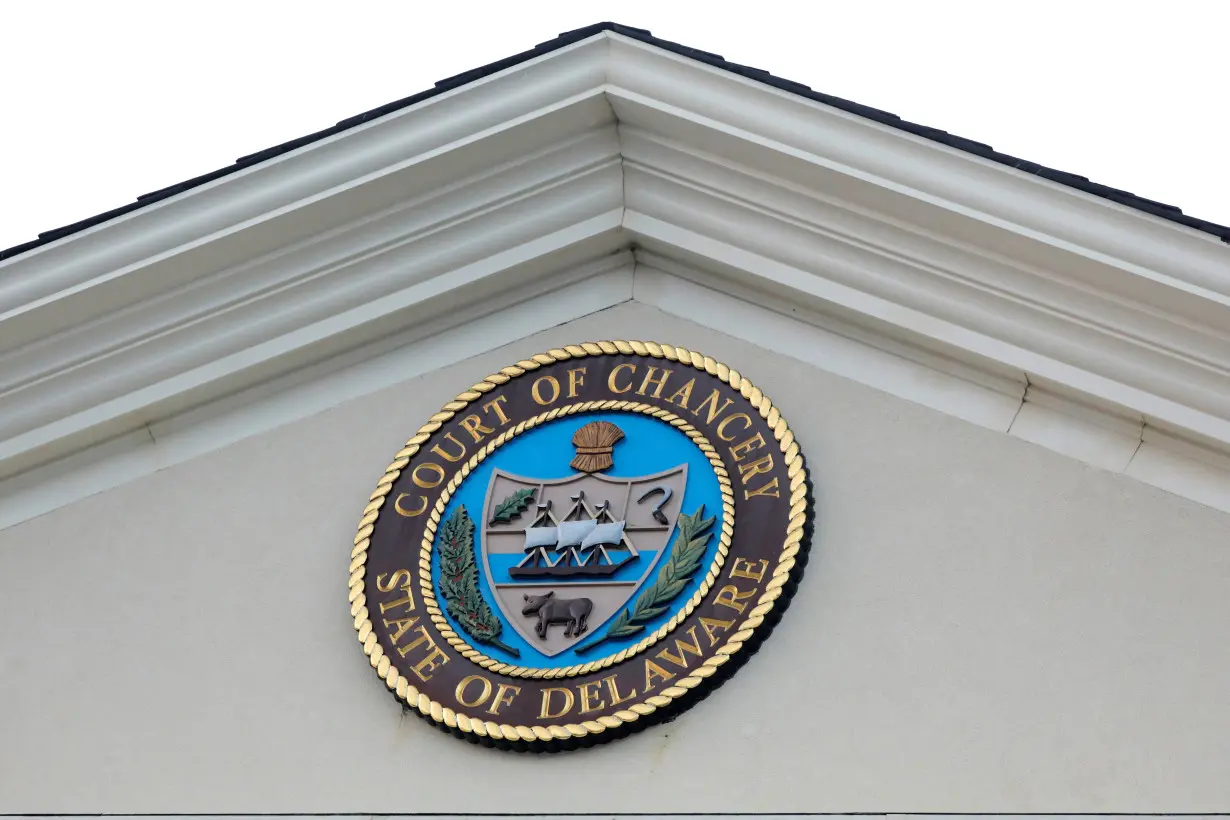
{"x":988,"y":293}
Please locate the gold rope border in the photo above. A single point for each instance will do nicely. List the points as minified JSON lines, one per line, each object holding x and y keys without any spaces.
{"x":427,"y":588}
{"x":795,"y":473}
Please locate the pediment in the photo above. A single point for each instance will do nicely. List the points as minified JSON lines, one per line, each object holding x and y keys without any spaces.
{"x":607,"y":171}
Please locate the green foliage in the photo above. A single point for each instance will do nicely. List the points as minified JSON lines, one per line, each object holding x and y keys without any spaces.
{"x":459,"y":582}
{"x":512,"y":506}
{"x":673,"y":577}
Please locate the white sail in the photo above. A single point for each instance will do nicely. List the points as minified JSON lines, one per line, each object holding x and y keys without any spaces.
{"x":541,"y":537}
{"x":574,"y":543}
{"x":611,"y":533}
{"x":572,"y":533}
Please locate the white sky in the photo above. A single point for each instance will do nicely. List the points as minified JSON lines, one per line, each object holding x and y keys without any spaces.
{"x":102,"y":101}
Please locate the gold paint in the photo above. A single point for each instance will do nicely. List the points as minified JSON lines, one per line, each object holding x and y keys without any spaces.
{"x":393,"y":582}
{"x":649,"y":379}
{"x":460,"y":692}
{"x":535,"y":391}
{"x":504,"y":695}
{"x":738,"y":451}
{"x":762,"y":492}
{"x":653,"y":672}
{"x":548,"y":693}
{"x":612,"y":688}
{"x":586,"y":704}
{"x":405,"y":586}
{"x":447,"y":456}
{"x":714,"y":411}
{"x":434,"y":660}
{"x":403,"y":625}
{"x":764,"y":464}
{"x":722,"y":425}
{"x":747,"y":571}
{"x":610,"y":381}
{"x":576,"y":378}
{"x":729,"y":596}
{"x":684,"y":649}
{"x":493,"y":406}
{"x":710,"y":625}
{"x":431,"y":466}
{"x":683,"y":394}
{"x":473,"y":425}
{"x":407,"y":512}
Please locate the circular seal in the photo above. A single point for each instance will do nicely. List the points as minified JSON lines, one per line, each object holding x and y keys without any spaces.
{"x":580,"y":545}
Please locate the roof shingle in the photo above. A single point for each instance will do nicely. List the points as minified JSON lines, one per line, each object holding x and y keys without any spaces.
{"x":1126,"y":198}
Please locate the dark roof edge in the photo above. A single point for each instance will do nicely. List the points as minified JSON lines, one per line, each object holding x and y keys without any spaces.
{"x":1159,"y":209}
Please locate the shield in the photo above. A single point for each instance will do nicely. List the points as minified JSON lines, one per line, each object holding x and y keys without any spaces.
{"x":578,"y":550}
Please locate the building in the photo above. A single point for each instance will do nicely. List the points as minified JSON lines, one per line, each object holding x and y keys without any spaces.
{"x":1010,"y":384}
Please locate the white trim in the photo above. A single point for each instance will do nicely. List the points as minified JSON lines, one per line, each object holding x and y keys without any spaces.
{"x":1046,"y":415}
{"x":1010,"y":301}
{"x":827,"y":344}
{"x":298,"y":395}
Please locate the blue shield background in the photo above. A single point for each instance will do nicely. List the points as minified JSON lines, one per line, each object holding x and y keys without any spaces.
{"x":649,"y":446}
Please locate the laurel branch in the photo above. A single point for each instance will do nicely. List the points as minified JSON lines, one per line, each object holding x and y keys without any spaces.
{"x":512,"y":506}
{"x":683,"y":562}
{"x":459,"y":583}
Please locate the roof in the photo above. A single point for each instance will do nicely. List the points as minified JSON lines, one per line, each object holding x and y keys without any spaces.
{"x":1158,"y":209}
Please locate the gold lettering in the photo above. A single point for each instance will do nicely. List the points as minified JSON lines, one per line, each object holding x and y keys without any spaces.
{"x":474,"y":426}
{"x":407,"y":602}
{"x":612,"y":688}
{"x":430,"y":467}
{"x":393,"y":583}
{"x":729,"y":596}
{"x":660,"y":382}
{"x":494,"y":405}
{"x":504,"y":695}
{"x":763,"y":491}
{"x":761,"y":465}
{"x":722,"y":425}
{"x":434,"y":660}
{"x":576,"y":378}
{"x":711,"y":624}
{"x":424,"y":638}
{"x":748,"y":570}
{"x":403,"y":626}
{"x":586,"y":704}
{"x":683,"y":394}
{"x":684,"y":649}
{"x":460,"y":691}
{"x":545,"y":713}
{"x":714,"y":410}
{"x":744,"y":447}
{"x":406,"y":512}
{"x":461,"y":448}
{"x":652,"y":671}
{"x":610,"y":382}
{"x":535,"y":389}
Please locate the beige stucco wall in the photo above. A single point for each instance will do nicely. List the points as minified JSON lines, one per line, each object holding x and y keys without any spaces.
{"x":984,"y":626}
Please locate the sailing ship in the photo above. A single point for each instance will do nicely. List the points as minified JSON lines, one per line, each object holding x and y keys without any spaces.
{"x":577,"y":548}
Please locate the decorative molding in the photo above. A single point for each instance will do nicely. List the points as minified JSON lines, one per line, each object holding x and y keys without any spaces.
{"x":1050,"y":415}
{"x":307,"y":391}
{"x":1010,"y":301}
